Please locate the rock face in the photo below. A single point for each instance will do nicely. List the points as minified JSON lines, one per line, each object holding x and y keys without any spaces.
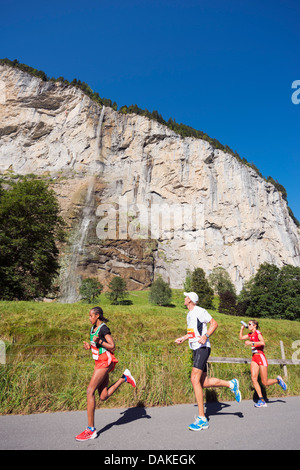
{"x":158,"y":203}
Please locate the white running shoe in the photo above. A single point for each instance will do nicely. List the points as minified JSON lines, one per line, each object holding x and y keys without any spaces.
{"x":128,"y":378}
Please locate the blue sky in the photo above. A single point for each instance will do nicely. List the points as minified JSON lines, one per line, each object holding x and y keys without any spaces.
{"x":225,"y":67}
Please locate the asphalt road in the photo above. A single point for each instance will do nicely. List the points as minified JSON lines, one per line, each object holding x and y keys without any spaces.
{"x":232,"y":426}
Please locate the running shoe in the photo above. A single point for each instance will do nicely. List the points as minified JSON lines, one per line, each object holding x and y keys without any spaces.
{"x":236,"y":390}
{"x":199,"y":424}
{"x":128,"y":378}
{"x":260,"y":404}
{"x":86,"y":435}
{"x":281,"y":383}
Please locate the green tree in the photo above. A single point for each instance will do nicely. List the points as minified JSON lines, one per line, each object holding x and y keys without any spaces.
{"x":118,"y":290}
{"x":220,"y":281}
{"x":160,"y":292}
{"x":289,"y":291}
{"x":228,"y":303}
{"x":272,"y":292}
{"x":30,"y":227}
{"x":123,"y":109}
{"x":90,"y":289}
{"x":244,"y":297}
{"x":265,"y":300}
{"x":187,"y":285}
{"x":199,"y":284}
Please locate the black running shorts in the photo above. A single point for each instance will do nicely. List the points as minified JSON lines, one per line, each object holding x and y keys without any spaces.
{"x":200,"y":357}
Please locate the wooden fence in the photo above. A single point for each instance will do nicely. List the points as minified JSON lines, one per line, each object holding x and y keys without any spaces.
{"x":238,"y":360}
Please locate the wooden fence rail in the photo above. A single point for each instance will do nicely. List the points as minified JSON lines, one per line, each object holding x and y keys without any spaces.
{"x":238,"y":360}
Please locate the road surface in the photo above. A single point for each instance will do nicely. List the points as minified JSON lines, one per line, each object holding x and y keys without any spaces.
{"x":232,"y":426}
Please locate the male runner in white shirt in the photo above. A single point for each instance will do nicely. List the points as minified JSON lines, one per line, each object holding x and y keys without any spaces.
{"x":198,"y":335}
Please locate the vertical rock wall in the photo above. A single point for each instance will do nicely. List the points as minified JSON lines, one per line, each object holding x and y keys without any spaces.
{"x":186,"y":204}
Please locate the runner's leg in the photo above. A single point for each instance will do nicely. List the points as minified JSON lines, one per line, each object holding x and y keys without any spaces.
{"x":208,"y":382}
{"x":104,"y":392}
{"x":254,"y":368}
{"x":197,"y":386}
{"x":98,"y":377}
{"x":264,"y":377}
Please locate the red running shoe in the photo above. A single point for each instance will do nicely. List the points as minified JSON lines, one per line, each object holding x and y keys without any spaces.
{"x":86,"y":434}
{"x":128,"y":377}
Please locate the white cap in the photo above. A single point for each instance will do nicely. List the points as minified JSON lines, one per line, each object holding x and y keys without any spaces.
{"x":192,"y":296}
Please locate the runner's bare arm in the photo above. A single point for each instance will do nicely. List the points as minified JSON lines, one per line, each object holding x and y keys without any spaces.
{"x":108,"y":344}
{"x":242,"y":337}
{"x":213,"y":325}
{"x":181,"y":339}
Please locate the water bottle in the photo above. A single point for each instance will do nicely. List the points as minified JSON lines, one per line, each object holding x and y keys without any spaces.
{"x":245,"y":324}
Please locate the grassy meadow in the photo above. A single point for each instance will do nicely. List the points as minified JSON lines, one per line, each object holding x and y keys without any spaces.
{"x":47,"y":368}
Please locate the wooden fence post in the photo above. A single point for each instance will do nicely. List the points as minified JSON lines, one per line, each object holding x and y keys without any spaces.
{"x":2,"y":353}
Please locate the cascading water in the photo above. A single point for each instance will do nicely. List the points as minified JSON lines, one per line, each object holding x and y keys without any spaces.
{"x":99,"y":131}
{"x":71,"y":279}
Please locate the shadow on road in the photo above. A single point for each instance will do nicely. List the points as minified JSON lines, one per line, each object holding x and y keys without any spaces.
{"x":213,"y":408}
{"x":132,"y":414}
{"x":265,"y":397}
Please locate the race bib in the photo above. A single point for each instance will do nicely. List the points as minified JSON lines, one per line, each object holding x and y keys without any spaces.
{"x":95,"y":351}
{"x":191,"y":335}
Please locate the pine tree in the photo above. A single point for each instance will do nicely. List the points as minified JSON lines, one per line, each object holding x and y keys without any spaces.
{"x":228,"y":303}
{"x":118,"y":290}
{"x":160,"y":292}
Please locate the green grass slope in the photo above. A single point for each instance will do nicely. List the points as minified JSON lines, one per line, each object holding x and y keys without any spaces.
{"x":47,"y":368}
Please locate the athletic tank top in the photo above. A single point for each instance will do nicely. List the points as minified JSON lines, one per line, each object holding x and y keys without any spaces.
{"x":96,"y":349}
{"x":254,"y":338}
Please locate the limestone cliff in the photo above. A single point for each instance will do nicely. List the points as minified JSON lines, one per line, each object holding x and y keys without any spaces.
{"x":158,"y":203}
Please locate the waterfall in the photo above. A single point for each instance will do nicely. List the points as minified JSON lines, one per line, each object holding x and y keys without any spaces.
{"x":99,"y":131}
{"x":71,"y":279}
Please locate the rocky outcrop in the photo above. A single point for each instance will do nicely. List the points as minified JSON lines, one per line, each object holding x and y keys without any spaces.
{"x":162,"y":203}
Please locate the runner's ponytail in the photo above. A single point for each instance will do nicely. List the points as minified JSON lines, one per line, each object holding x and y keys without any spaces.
{"x":99,"y":311}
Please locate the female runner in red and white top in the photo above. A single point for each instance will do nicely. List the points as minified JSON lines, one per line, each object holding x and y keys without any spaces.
{"x":259,"y":361}
{"x":102,"y":347}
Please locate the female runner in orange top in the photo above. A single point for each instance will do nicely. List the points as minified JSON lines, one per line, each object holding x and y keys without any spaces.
{"x":259,"y":361}
{"x":102,"y":346}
